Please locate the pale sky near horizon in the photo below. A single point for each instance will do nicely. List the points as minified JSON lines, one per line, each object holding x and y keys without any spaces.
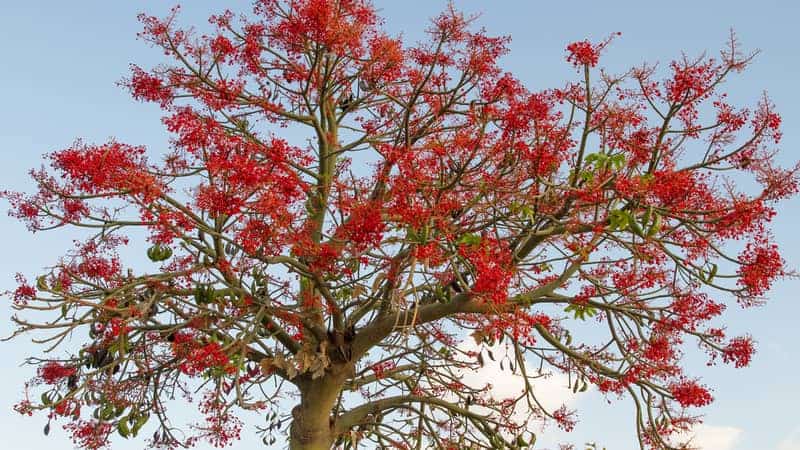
{"x":58,"y":83}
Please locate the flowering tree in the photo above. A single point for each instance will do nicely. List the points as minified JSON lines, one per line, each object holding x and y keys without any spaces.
{"x":592,"y":230}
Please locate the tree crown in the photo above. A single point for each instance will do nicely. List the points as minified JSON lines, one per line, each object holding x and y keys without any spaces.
{"x":438,"y":209}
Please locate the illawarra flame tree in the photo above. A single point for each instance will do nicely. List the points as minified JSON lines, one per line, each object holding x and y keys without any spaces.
{"x":328,"y":283}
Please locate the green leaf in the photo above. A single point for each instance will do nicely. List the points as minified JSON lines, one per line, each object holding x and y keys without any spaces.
{"x":41,"y":283}
{"x":470,"y":239}
{"x":655,"y":227}
{"x":592,"y":158}
{"x":647,"y":215}
{"x":527,"y":211}
{"x":618,"y":161}
{"x":618,"y":220}
{"x":637,"y":230}
{"x":122,"y":428}
{"x":106,"y":412}
{"x":140,"y":422}
{"x":580,"y":311}
{"x":713,"y":273}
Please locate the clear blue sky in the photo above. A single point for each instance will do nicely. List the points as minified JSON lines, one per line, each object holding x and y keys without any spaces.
{"x":57,"y":83}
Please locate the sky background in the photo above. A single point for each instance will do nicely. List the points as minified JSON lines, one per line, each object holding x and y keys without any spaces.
{"x":61,"y":62}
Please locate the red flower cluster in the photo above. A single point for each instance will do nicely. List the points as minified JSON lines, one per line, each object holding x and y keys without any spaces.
{"x":381,"y":368}
{"x":761,"y":265}
{"x":221,"y":428}
{"x":690,"y":81}
{"x":196,"y":357}
{"x":147,"y":87}
{"x":23,"y":292}
{"x":90,"y":434}
{"x":492,"y":262}
{"x":520,"y":325}
{"x":109,"y":168}
{"x":68,"y":407}
{"x":364,"y":228}
{"x":585,"y":53}
{"x":337,"y":26}
{"x":739,"y":351}
{"x":691,"y":310}
{"x":659,"y":350}
{"x":217,"y":201}
{"x":53,"y":372}
{"x":114,"y":329}
{"x":24,"y":407}
{"x":98,"y":268}
{"x":565,"y":418}
{"x":689,"y":393}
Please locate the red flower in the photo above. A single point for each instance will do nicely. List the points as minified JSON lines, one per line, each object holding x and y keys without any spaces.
{"x":761,"y":264}
{"x":565,"y":418}
{"x":364,"y":228}
{"x":491,"y":259}
{"x":689,"y":393}
{"x":739,"y":351}
{"x":90,"y":434}
{"x":67,"y":408}
{"x":24,"y":291}
{"x":381,"y":368}
{"x":147,"y":87}
{"x":53,"y":372}
{"x":112,"y":168}
{"x":586,"y":53}
{"x":197,"y":358}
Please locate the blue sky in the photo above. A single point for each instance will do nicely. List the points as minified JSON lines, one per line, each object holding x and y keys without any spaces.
{"x":61,"y":61}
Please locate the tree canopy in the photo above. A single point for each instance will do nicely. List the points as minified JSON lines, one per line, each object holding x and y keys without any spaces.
{"x":595,"y":229}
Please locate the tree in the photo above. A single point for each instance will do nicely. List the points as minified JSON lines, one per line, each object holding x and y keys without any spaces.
{"x":594,"y":229}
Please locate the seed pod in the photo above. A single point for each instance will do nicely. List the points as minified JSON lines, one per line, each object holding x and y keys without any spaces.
{"x":713,"y":272}
{"x":647,"y":215}
{"x":637,"y":230}
{"x":159,"y":252}
{"x":99,"y":356}
{"x":72,"y":381}
{"x":345,"y":103}
{"x":165,"y":253}
{"x":655,"y":227}
{"x":201,"y":294}
{"x":41,"y":283}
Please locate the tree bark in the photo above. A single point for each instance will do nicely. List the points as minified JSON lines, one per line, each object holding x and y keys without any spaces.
{"x":312,"y":420}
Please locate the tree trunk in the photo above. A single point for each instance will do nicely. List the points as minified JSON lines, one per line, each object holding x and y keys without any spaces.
{"x":312,"y":422}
